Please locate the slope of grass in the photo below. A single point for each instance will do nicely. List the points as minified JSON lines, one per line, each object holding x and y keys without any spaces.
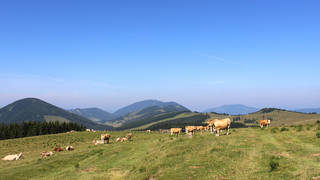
{"x":179,"y":116}
{"x":244,"y":154}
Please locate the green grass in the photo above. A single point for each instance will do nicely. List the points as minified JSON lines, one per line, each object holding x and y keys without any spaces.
{"x":247,"y":153}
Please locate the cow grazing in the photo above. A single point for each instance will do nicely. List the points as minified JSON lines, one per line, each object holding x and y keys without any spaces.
{"x":69,"y":148}
{"x":190,"y":130}
{"x":58,"y":149}
{"x":264,"y":123}
{"x":13,"y":157}
{"x":88,"y":130}
{"x":221,"y":124}
{"x":46,"y":154}
{"x":176,"y":131}
{"x":148,"y":131}
{"x":105,"y":138}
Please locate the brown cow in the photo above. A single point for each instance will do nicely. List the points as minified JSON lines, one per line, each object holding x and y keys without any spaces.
{"x":105,"y":138}
{"x":148,"y":131}
{"x":220,"y":124}
{"x":129,"y":136}
{"x":264,"y":123}
{"x":176,"y":131}
{"x":190,"y":130}
{"x":200,"y":128}
{"x":58,"y":149}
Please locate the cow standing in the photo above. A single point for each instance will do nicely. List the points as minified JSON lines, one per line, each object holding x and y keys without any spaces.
{"x":190,"y":130}
{"x":219,"y":124}
{"x":176,"y":131}
{"x":264,"y":123}
{"x":105,"y":138}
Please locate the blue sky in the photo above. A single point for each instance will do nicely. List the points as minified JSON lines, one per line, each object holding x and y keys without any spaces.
{"x":201,"y":54}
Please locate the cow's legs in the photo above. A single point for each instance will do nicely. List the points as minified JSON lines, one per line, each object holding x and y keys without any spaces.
{"x":228,"y":130}
{"x":218,"y":132}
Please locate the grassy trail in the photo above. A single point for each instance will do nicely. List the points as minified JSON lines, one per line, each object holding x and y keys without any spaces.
{"x":244,"y":154}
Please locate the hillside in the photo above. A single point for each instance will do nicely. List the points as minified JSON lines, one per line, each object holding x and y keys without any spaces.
{"x":138,"y":106}
{"x":94,"y":114}
{"x":140,"y":117}
{"x":245,"y":154}
{"x":278,"y":117}
{"x":233,"y":109}
{"x":32,"y":109}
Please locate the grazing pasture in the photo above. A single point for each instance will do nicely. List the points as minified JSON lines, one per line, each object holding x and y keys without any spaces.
{"x":247,"y":153}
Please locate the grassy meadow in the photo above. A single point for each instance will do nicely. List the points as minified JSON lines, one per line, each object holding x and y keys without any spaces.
{"x":247,"y":153}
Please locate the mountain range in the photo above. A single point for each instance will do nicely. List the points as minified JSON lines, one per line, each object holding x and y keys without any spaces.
{"x":132,"y":112}
{"x":154,"y":113}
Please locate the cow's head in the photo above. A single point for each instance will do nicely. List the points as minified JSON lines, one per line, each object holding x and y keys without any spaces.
{"x":269,"y":121}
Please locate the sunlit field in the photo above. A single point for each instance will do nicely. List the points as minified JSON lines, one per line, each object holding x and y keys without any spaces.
{"x":247,"y":153}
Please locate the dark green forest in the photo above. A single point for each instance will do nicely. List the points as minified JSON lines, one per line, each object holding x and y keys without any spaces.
{"x":26,"y":129}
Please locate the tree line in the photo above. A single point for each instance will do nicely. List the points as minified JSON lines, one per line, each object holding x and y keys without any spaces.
{"x":25,"y":129}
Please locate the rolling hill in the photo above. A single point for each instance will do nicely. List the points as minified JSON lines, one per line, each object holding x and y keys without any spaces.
{"x":245,"y":154}
{"x":32,"y":109}
{"x":94,"y":114}
{"x":278,"y":117}
{"x":233,"y":109}
{"x":146,"y":115}
{"x":135,"y":107}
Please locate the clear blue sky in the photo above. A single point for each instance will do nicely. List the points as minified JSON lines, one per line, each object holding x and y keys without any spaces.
{"x":198,"y":53}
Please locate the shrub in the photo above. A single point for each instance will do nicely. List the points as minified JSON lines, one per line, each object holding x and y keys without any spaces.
{"x":77,"y":165}
{"x":274,"y":130}
{"x":274,"y":164}
{"x":284,"y":129}
{"x":300,"y":128}
{"x":318,"y":134}
{"x":142,"y":169}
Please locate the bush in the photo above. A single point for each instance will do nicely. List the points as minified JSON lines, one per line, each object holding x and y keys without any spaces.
{"x":300,"y":128}
{"x":274,"y":164}
{"x":318,"y":134}
{"x":77,"y":165}
{"x":274,"y":130}
{"x":284,"y":129}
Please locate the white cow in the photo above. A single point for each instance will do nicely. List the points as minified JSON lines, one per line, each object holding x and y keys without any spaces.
{"x":13,"y":157}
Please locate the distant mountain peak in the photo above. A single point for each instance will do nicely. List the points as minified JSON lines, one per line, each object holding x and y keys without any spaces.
{"x":145,"y":104}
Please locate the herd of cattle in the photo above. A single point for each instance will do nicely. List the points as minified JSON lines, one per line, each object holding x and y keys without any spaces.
{"x":213,"y":125}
